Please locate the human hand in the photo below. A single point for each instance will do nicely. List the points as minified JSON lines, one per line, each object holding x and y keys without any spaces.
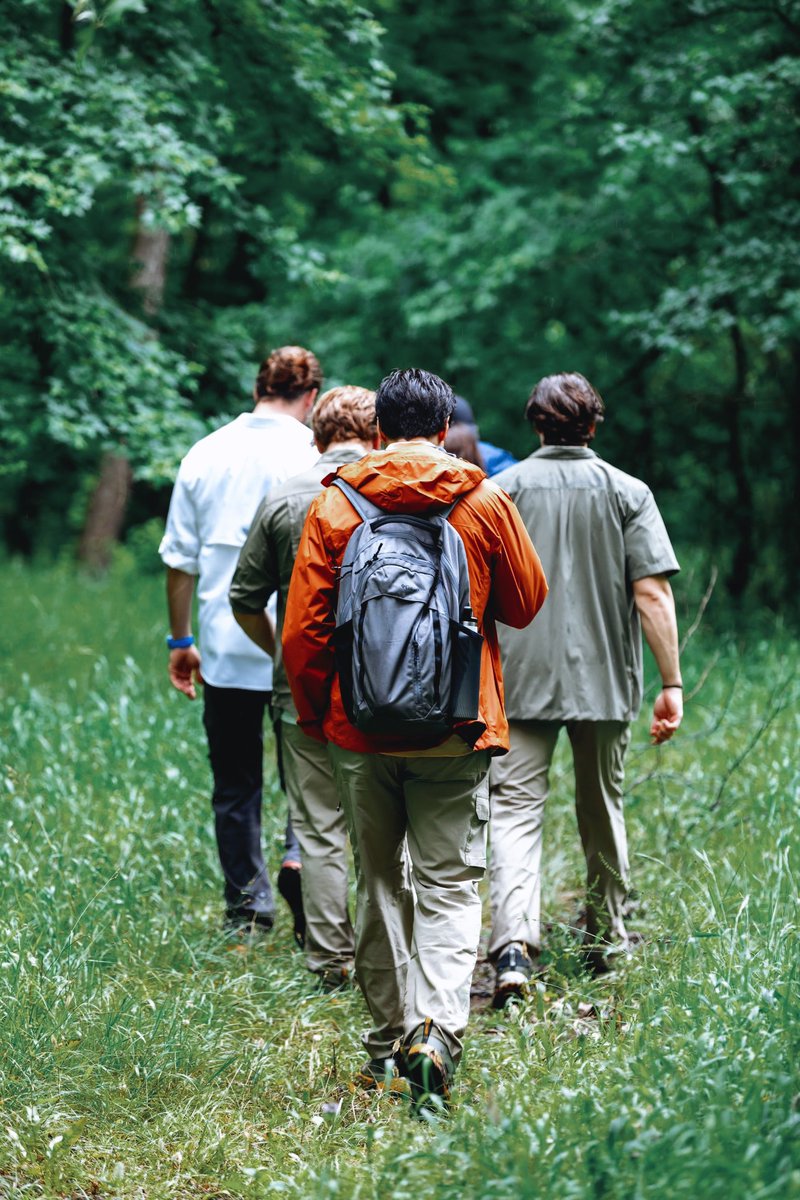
{"x":184,"y":670}
{"x":667,"y":714}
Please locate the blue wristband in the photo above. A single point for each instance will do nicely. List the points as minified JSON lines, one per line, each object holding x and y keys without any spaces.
{"x":179,"y":643}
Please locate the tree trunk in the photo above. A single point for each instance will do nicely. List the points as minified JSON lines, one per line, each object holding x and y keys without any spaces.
{"x":108,"y":505}
{"x":106,"y":512}
{"x":150,"y":254}
{"x":744,"y":553}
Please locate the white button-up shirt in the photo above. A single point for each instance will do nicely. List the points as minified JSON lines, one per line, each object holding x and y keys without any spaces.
{"x":220,"y":484}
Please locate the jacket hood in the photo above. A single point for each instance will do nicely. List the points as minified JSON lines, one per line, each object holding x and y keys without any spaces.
{"x":412,"y":477}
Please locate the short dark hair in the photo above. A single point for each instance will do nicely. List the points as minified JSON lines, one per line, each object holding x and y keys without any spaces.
{"x":564,"y":409}
{"x":413,"y":403}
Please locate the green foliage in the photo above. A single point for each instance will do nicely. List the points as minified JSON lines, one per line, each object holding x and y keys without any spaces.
{"x":495,"y":193}
{"x":139,"y":1053}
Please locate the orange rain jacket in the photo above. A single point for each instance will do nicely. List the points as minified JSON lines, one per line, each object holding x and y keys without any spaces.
{"x":507,"y":582}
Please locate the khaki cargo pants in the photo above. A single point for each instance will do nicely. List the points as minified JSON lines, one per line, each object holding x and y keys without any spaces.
{"x":418,"y":826}
{"x":321,"y":831}
{"x":520,"y":784}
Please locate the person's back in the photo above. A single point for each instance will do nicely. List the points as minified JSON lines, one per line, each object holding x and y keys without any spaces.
{"x":581,"y":659}
{"x":607,"y":556}
{"x":219,"y":485}
{"x":410,"y":803}
{"x":222,"y":479}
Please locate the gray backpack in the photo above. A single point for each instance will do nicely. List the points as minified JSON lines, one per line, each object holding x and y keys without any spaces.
{"x":407,"y":647}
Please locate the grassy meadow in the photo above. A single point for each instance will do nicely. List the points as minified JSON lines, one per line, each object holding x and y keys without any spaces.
{"x":142,"y":1055}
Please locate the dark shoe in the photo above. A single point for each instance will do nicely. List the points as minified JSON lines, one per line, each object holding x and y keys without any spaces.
{"x":514,"y":970}
{"x":335,"y":979}
{"x":378,"y":1075}
{"x":601,"y":957}
{"x":291,"y":889}
{"x":427,"y":1064}
{"x":255,"y":913}
{"x":245,"y":921}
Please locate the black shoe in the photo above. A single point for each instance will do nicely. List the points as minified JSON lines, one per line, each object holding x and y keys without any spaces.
{"x":291,"y":888}
{"x":514,"y":970}
{"x":426,"y":1062}
{"x":335,"y":979}
{"x":243,"y":921}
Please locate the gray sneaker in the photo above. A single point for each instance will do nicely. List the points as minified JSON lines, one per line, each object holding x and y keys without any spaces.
{"x":514,"y":970}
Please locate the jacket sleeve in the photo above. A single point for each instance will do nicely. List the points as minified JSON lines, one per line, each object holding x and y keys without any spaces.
{"x":308,"y":625}
{"x":519,"y":586}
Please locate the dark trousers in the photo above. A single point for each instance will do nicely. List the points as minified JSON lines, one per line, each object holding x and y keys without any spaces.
{"x":233,"y":720}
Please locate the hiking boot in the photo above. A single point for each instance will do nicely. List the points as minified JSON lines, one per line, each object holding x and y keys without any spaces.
{"x":335,"y":979}
{"x":603,"y":957}
{"x":291,"y":888}
{"x":378,"y":1075}
{"x":426,"y":1062}
{"x":514,"y":970}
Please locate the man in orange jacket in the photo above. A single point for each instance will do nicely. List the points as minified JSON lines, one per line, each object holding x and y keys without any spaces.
{"x":417,"y":815}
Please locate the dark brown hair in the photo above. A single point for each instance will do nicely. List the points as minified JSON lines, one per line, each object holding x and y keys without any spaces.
{"x":344,"y":414}
{"x":462,"y":442}
{"x":564,"y":408}
{"x":287,"y":374}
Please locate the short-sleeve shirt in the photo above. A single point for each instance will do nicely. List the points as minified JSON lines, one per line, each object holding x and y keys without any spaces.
{"x":596,"y":530}
{"x":219,"y":486}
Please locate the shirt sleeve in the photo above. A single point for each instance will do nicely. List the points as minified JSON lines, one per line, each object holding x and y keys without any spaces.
{"x":308,"y":654}
{"x":648,"y":550}
{"x":257,"y":574}
{"x":180,"y":545}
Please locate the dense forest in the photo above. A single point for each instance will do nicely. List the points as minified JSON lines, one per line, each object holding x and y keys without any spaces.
{"x":491,"y":191}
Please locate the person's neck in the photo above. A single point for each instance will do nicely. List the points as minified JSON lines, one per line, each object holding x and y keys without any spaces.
{"x":353,"y":444}
{"x":287,"y":408}
{"x":414,"y":441}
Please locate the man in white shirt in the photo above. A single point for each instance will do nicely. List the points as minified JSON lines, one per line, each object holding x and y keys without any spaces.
{"x":220,"y":484}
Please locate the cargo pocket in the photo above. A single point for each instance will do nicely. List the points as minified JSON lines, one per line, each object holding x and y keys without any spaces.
{"x":475,"y":850}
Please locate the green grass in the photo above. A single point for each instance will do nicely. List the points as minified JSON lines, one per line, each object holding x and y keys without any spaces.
{"x":143,"y":1057}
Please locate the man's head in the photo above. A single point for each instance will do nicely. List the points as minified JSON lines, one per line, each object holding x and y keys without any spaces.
{"x":413,"y":403}
{"x":288,"y":376}
{"x":564,"y":410}
{"x":344,"y":414}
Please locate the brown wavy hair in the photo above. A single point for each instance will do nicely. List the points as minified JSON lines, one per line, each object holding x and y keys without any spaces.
{"x":344,"y":414}
{"x":287,"y":374}
{"x":461,"y":440}
{"x":564,"y":409}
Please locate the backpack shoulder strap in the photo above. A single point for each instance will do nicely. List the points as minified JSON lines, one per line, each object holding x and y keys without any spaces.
{"x":365,"y":508}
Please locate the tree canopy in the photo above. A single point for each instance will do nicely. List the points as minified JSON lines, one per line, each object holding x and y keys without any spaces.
{"x":493,"y":192}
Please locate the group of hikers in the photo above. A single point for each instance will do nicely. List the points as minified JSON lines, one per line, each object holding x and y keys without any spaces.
{"x":380,"y":595}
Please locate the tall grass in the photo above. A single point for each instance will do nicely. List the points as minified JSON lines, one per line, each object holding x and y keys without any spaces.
{"x":145,"y":1056}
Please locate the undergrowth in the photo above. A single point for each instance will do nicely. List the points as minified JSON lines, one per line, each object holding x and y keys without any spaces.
{"x":143,"y":1055}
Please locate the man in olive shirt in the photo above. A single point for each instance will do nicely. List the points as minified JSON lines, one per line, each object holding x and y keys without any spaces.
{"x":343,"y":422}
{"x":607,"y":557}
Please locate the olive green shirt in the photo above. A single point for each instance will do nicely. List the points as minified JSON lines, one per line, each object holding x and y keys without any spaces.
{"x":596,"y":530}
{"x":267,"y":556}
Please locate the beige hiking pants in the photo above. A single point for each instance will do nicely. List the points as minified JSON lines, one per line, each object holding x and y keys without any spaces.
{"x":519,"y":791}
{"x":415,"y":960}
{"x":321,"y":830}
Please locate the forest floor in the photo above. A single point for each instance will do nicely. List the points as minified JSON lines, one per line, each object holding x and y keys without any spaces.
{"x":142,"y":1055}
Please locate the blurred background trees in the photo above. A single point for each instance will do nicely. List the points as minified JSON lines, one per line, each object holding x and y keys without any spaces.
{"x":493,"y":192}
